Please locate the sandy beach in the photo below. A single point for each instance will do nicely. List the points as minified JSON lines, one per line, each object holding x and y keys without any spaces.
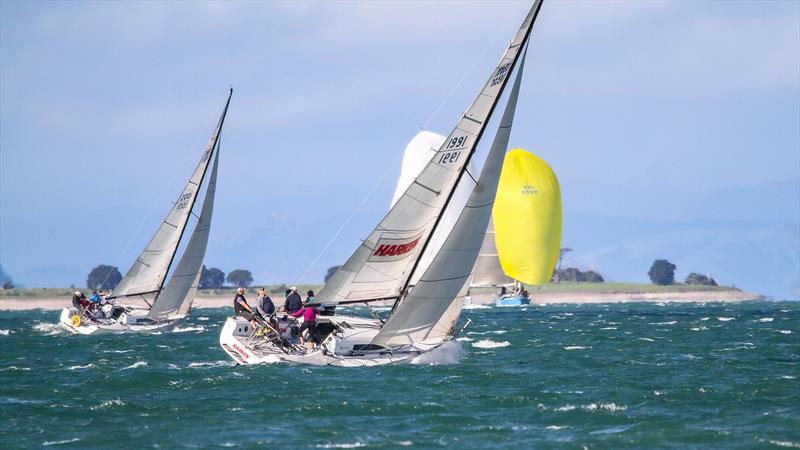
{"x":19,"y":304}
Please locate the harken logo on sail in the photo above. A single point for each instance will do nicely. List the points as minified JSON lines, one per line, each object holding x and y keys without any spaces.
{"x":393,"y":249}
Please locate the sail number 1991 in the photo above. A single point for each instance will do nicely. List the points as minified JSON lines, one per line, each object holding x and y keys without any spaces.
{"x":453,"y":150}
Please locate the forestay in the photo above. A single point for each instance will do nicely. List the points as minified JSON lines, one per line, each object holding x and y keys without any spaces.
{"x":148,"y":272}
{"x":417,"y":320}
{"x":383,"y":264}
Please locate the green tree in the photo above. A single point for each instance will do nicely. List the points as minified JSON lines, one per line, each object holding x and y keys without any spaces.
{"x":103,"y":277}
{"x":212,"y":278}
{"x":240,"y":277}
{"x":5,"y":279}
{"x":590,"y":276}
{"x":662,"y":272}
{"x":700,"y":280}
{"x":331,"y":270}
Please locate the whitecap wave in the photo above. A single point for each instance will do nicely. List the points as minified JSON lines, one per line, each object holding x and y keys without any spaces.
{"x":555,"y":427}
{"x":202,"y":318}
{"x":357,"y":444}
{"x":65,"y":441}
{"x":220,"y":363}
{"x":698,"y":328}
{"x":15,"y":368}
{"x":4,"y":332}
{"x":645,"y":339}
{"x":725,"y":319}
{"x":88,"y":366}
{"x":464,"y":339}
{"x":477,"y":307}
{"x":187,"y":329}
{"x":49,"y":329}
{"x":488,"y":343}
{"x":609,"y":328}
{"x":784,"y":332}
{"x":788,"y":444}
{"x":136,"y":365}
{"x":671,"y":322}
{"x":447,"y":353}
{"x":766,"y":319}
{"x":575,"y":347}
{"x":108,"y":404}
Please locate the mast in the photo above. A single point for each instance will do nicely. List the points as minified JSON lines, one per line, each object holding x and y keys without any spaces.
{"x":194,"y":198}
{"x":535,"y":10}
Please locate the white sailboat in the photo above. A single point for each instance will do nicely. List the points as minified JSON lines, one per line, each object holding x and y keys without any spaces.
{"x":385,"y":265}
{"x":167,"y":304}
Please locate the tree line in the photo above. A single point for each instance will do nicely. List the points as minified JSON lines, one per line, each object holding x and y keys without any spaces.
{"x":105,"y":277}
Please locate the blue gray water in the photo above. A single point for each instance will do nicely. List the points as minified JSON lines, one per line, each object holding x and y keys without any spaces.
{"x":597,"y":376}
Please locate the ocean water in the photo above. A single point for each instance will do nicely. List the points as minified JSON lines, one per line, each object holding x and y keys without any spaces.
{"x":593,"y":376}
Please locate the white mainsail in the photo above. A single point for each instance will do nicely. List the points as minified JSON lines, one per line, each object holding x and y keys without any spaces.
{"x":148,"y":272}
{"x":179,"y":292}
{"x":418,"y":319}
{"x":382,"y":266}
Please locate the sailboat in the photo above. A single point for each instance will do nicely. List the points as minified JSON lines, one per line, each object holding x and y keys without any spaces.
{"x":166,"y":304}
{"x":527,"y":214}
{"x":386,"y":263}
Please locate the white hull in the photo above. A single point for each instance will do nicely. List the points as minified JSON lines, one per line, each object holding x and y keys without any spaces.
{"x":237,"y":339}
{"x":127,"y":323}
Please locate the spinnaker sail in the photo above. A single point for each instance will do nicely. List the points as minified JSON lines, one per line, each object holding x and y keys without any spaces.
{"x":527,"y":218}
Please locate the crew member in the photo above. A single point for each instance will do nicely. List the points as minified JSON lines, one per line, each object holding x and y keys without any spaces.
{"x":293,"y":301}
{"x":242,"y":308}
{"x":309,"y":323}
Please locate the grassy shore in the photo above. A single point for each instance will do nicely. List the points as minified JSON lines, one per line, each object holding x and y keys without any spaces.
{"x":278,"y":290}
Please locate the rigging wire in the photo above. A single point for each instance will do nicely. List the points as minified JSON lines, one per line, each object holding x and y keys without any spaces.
{"x":398,"y":159}
{"x":167,"y":186}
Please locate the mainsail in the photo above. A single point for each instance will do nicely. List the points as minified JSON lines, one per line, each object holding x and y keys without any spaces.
{"x":383,"y":265}
{"x":438,"y":295}
{"x":527,"y":217}
{"x":148,"y":272}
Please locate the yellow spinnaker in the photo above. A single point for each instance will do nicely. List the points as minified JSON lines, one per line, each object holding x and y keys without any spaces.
{"x":527,"y":218}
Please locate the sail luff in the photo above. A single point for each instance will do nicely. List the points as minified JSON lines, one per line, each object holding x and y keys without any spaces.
{"x":439,"y":292}
{"x":149,"y":271}
{"x":386,"y":260}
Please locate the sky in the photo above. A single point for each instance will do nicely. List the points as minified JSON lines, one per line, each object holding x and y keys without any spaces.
{"x":674,"y":128}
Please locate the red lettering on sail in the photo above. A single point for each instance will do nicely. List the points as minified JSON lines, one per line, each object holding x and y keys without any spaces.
{"x":395,"y":249}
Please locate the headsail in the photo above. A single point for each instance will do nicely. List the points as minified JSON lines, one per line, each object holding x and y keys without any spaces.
{"x":179,"y":292}
{"x":147,"y":274}
{"x":527,"y":214}
{"x":382,"y":266}
{"x":488,"y":271}
{"x":417,"y":321}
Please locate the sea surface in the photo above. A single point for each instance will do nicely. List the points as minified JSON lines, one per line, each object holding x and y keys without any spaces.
{"x":633,"y":375}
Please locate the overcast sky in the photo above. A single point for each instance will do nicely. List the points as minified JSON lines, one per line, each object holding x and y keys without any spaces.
{"x":641,"y":108}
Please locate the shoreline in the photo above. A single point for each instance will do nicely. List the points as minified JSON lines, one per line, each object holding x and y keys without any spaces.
{"x":537,"y":298}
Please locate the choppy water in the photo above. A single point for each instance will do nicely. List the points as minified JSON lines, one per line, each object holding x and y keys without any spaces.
{"x":607,"y":376}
